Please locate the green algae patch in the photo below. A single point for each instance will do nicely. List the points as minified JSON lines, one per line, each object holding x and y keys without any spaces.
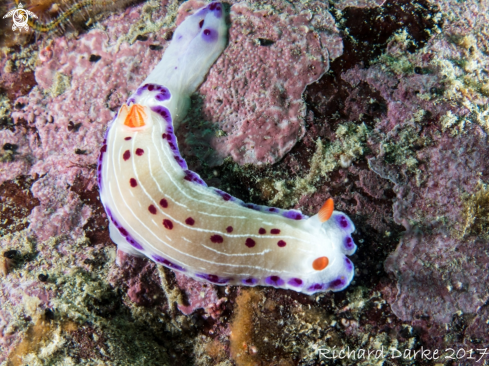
{"x":476,"y":214}
{"x":350,"y":144}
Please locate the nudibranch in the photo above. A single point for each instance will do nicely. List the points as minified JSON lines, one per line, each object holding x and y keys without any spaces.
{"x":160,"y":209}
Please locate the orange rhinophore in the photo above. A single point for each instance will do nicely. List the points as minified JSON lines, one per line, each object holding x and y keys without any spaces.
{"x":326,"y":211}
{"x":135,"y":115}
{"x":320,"y":263}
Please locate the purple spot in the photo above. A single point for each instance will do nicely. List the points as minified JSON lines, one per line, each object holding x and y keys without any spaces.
{"x":315,"y":287}
{"x":193,"y":177}
{"x":141,"y":89}
{"x":216,"y":8}
{"x":190,"y":221}
{"x":133,"y":182}
{"x":281,"y":243}
{"x":250,"y":281}
{"x":163,"y":203}
{"x":217,"y":239}
{"x":251,"y":206}
{"x":342,"y":221}
{"x":349,"y":265}
{"x":123,"y":231}
{"x":349,"y":243}
{"x":338,"y":283}
{"x":210,"y":35}
{"x":275,"y":231}
{"x":250,"y":243}
{"x":163,"y":112}
{"x":167,"y":263}
{"x":274,"y":281}
{"x":180,"y":161}
{"x":167,"y":224}
{"x":295,"y":282}
{"x":127,"y":138}
{"x":214,"y":278}
{"x":131,"y":101}
{"x":152,"y":209}
{"x":225,"y":196}
{"x":294,"y":215}
{"x":139,"y":152}
{"x":163,"y":95}
{"x":262,"y":231}
{"x":229,"y":229}
{"x":134,"y":243}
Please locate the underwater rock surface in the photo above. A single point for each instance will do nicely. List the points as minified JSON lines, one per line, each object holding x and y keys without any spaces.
{"x":382,"y":105}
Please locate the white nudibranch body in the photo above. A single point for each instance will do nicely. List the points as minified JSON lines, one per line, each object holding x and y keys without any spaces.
{"x":160,"y":209}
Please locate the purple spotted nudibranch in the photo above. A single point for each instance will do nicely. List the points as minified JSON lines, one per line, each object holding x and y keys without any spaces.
{"x":160,"y":209}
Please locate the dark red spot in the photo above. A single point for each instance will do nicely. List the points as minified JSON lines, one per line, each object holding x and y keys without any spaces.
{"x":201,"y":23}
{"x":213,"y":278}
{"x":274,"y":278}
{"x":229,"y":229}
{"x":151,"y":87}
{"x":168,"y":224}
{"x":126,"y":155}
{"x":226,"y":197}
{"x":190,"y":221}
{"x":281,"y":243}
{"x":207,"y":32}
{"x":127,"y":138}
{"x":152,"y":209}
{"x":250,"y":243}
{"x":103,"y":149}
{"x":275,"y":231}
{"x":164,"y":136}
{"x":163,"y":203}
{"x":139,"y":152}
{"x":262,"y":231}
{"x":218,"y":239}
{"x":133,"y":182}
{"x":123,"y":231}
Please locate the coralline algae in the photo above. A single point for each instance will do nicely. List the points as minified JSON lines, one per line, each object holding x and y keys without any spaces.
{"x":256,"y":104}
{"x":411,"y":75}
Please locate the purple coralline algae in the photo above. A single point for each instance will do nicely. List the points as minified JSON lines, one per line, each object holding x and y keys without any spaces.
{"x":380,"y":104}
{"x":256,"y":104}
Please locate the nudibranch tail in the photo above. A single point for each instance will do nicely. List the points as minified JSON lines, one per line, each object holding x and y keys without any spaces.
{"x":196,"y":44}
{"x":160,"y":209}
